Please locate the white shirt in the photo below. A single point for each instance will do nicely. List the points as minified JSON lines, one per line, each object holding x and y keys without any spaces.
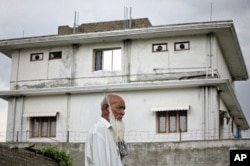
{"x":100,"y":147}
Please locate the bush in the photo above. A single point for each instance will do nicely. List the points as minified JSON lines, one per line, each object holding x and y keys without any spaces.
{"x":60,"y":156}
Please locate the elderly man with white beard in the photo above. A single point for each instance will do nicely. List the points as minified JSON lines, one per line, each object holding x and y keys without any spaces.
{"x":105,"y":144}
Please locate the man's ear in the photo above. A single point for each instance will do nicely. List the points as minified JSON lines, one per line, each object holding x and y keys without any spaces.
{"x":105,"y":109}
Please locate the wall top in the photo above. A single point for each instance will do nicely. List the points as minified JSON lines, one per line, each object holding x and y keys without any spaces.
{"x":105,"y":26}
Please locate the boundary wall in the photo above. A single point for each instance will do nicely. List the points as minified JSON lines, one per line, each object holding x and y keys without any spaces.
{"x":188,"y":153}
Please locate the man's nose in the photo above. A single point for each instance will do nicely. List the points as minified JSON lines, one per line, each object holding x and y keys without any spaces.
{"x":122,"y":111}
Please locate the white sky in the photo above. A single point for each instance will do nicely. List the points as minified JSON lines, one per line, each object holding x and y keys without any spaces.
{"x":28,"y":18}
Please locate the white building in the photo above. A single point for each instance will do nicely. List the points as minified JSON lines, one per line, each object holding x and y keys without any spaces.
{"x":177,"y":81}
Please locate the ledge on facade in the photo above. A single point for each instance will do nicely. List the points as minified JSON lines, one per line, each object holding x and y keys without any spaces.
{"x":223,"y":86}
{"x":223,"y":30}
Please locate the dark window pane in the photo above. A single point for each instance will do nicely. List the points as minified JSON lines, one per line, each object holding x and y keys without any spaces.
{"x":55,"y":55}
{"x":183,"y":120}
{"x":36,"y":57}
{"x":98,"y":60}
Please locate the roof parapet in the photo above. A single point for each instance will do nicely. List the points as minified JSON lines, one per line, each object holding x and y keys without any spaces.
{"x":105,"y":26}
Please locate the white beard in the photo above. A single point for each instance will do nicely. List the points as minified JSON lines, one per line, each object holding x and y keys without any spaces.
{"x":117,"y":127}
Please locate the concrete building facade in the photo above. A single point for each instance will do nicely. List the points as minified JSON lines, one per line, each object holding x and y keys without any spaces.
{"x":177,"y":81}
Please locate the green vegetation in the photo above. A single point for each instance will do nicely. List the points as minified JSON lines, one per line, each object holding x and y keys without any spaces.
{"x":60,"y":156}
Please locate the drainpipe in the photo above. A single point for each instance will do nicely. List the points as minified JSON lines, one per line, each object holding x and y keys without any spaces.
{"x":17,"y":69}
{"x":68,"y":115}
{"x":22,"y":110}
{"x":206,"y":113}
{"x":75,"y":48}
{"x":219,"y":107}
{"x":211,"y":52}
{"x":14,"y":119}
{"x":127,"y":60}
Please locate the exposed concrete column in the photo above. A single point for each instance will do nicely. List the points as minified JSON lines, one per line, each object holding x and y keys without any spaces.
{"x":127,"y":44}
{"x":210,"y":113}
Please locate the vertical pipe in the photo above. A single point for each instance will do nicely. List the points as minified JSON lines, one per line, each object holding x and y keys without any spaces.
{"x":48,"y":69}
{"x":17,"y":69}
{"x":74,"y":28}
{"x":126,"y":59}
{"x":67,"y":136}
{"x":27,"y":132}
{"x":68,"y":115}
{"x":75,"y":48}
{"x":219,"y":108}
{"x":211,"y":12}
{"x":22,"y":110}
{"x":124,"y":21}
{"x":180,"y":134}
{"x":208,"y":57}
{"x":206,"y":118}
{"x":211,"y":53}
{"x":203,"y":110}
{"x":14,"y":119}
{"x":17,"y":133}
{"x":130,"y":18}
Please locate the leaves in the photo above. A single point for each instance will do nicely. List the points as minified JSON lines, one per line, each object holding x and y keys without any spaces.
{"x":60,"y":156}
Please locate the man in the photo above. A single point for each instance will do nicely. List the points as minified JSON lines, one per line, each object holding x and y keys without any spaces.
{"x":105,"y":143}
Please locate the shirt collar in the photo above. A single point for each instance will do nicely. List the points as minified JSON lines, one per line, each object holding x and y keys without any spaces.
{"x":104,"y":121}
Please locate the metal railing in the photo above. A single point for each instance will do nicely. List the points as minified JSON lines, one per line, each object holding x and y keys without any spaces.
{"x":130,"y":136}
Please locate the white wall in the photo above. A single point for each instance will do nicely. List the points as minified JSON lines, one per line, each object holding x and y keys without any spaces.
{"x":220,"y":64}
{"x":78,"y":112}
{"x":84,"y":70}
{"x":3,"y":121}
{"x":143,"y":60}
{"x":41,"y":73}
{"x":85,"y":111}
{"x":78,"y":63}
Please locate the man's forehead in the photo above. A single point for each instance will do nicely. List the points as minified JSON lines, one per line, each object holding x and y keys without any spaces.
{"x":117,"y":99}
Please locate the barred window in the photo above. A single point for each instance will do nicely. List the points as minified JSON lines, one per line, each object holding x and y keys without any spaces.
{"x":171,"y":121}
{"x":36,"y":57}
{"x":161,"y":47}
{"x":55,"y":55}
{"x":43,"y":126}
{"x":180,"y":46}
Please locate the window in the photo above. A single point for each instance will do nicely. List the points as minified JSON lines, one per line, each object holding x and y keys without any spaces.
{"x":180,"y":46}
{"x":43,"y":126}
{"x":160,"y":47}
{"x":172,"y":121}
{"x":55,"y":55}
{"x":36,"y":57}
{"x":162,"y":122}
{"x":107,"y":60}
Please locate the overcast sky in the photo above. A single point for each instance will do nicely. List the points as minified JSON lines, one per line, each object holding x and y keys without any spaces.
{"x":28,"y":18}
